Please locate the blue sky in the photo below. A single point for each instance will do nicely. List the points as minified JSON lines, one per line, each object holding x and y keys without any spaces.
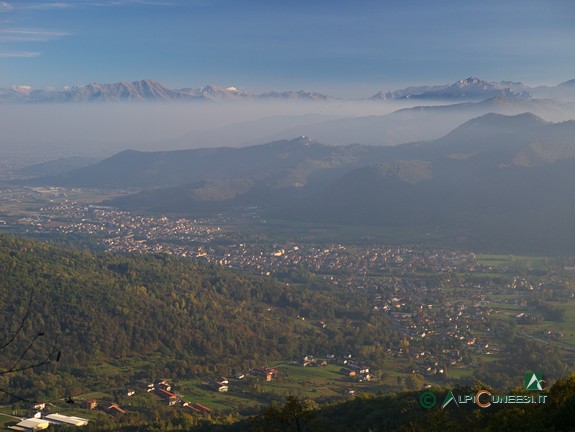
{"x":338,"y":47}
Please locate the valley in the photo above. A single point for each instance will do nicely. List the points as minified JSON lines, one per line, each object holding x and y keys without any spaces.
{"x":411,"y":313}
{"x":237,"y":287}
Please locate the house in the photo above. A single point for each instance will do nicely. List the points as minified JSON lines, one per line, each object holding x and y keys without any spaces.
{"x":39,"y":406}
{"x":91,"y":404}
{"x":361,"y":369}
{"x":164,"y":385}
{"x":166,"y":395}
{"x":115,"y":409}
{"x":267,"y":373}
{"x":144,"y":384}
{"x":201,"y":408}
{"x":220,"y":386}
{"x":347,"y":372}
{"x":306,"y":361}
{"x":191,"y":407}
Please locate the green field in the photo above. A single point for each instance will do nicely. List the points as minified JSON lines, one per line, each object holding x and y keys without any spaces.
{"x":254,"y":392}
{"x":6,"y":421}
{"x":349,"y":234}
{"x":514,"y":262}
{"x":459,"y":373}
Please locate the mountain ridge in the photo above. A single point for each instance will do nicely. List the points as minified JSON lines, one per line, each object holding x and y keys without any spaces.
{"x":469,"y":89}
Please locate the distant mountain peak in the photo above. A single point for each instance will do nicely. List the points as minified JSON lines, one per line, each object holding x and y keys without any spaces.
{"x":470,"y":81}
{"x":471,"y":88}
{"x":292,"y":94}
{"x":21,"y":89}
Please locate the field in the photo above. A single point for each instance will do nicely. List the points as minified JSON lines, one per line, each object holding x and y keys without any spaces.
{"x":246,"y":395}
{"x":348,"y":234}
{"x":7,"y":420}
{"x":514,"y":262}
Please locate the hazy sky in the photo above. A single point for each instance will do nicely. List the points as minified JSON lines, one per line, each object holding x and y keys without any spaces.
{"x":339,"y":47}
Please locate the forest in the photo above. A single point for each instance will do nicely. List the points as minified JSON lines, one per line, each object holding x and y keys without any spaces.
{"x":179,"y":317}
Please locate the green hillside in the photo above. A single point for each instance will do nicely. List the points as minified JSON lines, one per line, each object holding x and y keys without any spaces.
{"x":179,"y":317}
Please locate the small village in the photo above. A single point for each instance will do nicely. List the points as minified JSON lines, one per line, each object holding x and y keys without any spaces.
{"x":140,"y":392}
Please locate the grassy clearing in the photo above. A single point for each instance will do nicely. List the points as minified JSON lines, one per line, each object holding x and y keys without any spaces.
{"x":349,"y":234}
{"x":515,"y":262}
{"x":254,"y":393}
{"x":459,"y":373}
{"x":566,"y":327}
{"x":95,"y":395}
{"x":6,"y":421}
{"x":230,"y":401}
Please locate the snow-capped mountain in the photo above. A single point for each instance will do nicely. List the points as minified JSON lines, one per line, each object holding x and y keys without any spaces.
{"x":292,"y":95}
{"x":215,"y":92}
{"x":470,"y":89}
{"x":144,"y":90}
{"x":94,"y":92}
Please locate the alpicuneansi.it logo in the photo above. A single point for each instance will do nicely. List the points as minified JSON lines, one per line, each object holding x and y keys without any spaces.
{"x":483,"y":399}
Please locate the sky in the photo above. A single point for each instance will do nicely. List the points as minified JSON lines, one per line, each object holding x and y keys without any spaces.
{"x":342,"y":48}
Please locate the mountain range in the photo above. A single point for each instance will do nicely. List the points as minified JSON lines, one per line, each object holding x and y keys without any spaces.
{"x":467,"y":89}
{"x":470,"y":89}
{"x":144,"y":90}
{"x":496,"y":181}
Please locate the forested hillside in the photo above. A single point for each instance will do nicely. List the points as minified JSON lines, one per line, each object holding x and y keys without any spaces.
{"x":192,"y":319}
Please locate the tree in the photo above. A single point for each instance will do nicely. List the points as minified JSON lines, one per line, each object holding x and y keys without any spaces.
{"x":17,"y":345}
{"x":292,"y":416}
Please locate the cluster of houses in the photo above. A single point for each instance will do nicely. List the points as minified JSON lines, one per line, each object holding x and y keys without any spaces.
{"x":114,"y":408}
{"x":355,"y":369}
{"x":162,"y":389}
{"x":41,"y":418}
{"x":351,"y":367}
{"x":267,"y":373}
{"x":310,"y":361}
{"x":221,"y":385}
